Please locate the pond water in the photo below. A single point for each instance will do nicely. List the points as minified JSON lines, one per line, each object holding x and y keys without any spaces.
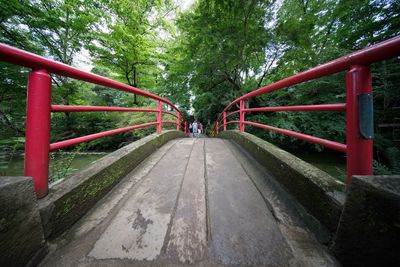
{"x":78,"y":162}
{"x":330,"y":162}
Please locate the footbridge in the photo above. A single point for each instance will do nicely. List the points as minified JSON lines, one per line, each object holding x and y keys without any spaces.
{"x":231,"y":199}
{"x":195,"y":201}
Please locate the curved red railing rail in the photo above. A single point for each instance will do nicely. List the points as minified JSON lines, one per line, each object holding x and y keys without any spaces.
{"x":358,"y":147}
{"x":37,"y":145}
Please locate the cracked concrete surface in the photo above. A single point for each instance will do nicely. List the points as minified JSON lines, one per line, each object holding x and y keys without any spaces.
{"x":194,"y":202}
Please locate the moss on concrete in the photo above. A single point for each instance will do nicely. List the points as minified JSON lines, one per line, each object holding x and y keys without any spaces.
{"x":21,"y":232}
{"x":313,"y":188}
{"x":71,"y":199}
{"x":369,"y":228}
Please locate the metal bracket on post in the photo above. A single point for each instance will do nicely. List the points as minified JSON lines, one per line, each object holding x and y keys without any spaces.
{"x":366,"y":115}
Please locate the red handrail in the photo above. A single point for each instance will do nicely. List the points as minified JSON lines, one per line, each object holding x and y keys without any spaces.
{"x":326,"y":143}
{"x":378,"y":52}
{"x":70,"y":108}
{"x":170,"y":122}
{"x":325,"y":107}
{"x":232,"y":113}
{"x":87,"y":138}
{"x":170,"y":113}
{"x":37,"y":145}
{"x":26,"y":59}
{"x":358,"y":82}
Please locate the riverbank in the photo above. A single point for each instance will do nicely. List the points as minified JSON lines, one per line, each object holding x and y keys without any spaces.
{"x":66,"y":163}
{"x":331,"y":162}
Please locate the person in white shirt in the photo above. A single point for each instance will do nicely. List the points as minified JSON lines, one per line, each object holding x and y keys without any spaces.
{"x":195,"y":128}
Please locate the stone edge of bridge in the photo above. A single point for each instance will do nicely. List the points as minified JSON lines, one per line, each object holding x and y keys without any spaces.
{"x":318,"y":192}
{"x":22,"y":241}
{"x":368,"y":233}
{"x":70,"y":199}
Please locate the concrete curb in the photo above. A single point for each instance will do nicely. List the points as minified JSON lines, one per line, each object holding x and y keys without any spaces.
{"x":21,"y":235}
{"x":369,"y":231}
{"x":320,"y":194}
{"x":70,"y":199}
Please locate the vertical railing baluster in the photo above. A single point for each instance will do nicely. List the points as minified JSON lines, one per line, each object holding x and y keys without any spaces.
{"x":241,"y":116}
{"x":38,"y":130}
{"x":185,"y":125}
{"x":178,"y":122}
{"x":159,"y":117}
{"x":224,"y":116}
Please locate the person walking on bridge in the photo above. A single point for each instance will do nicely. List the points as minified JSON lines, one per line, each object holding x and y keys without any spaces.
{"x":195,"y":128}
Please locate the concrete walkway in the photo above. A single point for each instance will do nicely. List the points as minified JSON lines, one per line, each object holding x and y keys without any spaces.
{"x":194,"y":202}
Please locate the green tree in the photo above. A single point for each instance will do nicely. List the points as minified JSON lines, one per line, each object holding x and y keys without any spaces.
{"x":222,"y":46}
{"x":129,"y":44}
{"x":57,"y":29}
{"x":14,"y":31}
{"x":314,"y":32}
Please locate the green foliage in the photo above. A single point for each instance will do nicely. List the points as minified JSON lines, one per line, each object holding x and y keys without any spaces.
{"x":393,"y":156}
{"x":380,"y":169}
{"x":202,"y":59}
{"x":128,"y":45}
{"x":8,"y":149}
{"x":224,"y":49}
{"x":221,"y":45}
{"x":122,"y":38}
{"x":61,"y":163}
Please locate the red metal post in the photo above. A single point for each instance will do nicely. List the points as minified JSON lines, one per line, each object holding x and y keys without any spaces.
{"x":224,"y":121}
{"x":159,"y":117}
{"x":359,"y":149}
{"x":38,"y":130}
{"x":178,"y":122}
{"x":184,"y":126}
{"x":241,"y":117}
{"x":217,"y":128}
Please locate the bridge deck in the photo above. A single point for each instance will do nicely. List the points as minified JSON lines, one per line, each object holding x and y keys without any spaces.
{"x":194,"y":202}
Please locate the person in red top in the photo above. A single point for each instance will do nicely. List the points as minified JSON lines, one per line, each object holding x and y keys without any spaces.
{"x":200,"y":127}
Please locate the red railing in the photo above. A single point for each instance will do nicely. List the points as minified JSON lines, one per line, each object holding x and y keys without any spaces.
{"x":37,"y":145}
{"x":358,"y":147}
